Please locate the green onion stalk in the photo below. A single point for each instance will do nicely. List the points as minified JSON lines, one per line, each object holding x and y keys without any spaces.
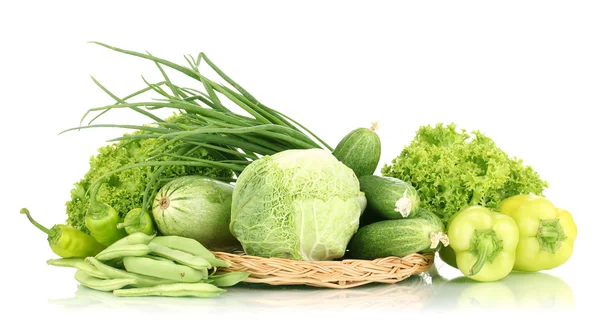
{"x":204,"y":121}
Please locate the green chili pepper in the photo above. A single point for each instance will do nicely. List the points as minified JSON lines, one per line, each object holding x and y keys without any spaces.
{"x":68,"y":242}
{"x":138,"y":221}
{"x":102,"y":220}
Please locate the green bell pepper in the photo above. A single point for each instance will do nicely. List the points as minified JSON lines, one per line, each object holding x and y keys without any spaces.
{"x":484,"y":242}
{"x":102,"y":220}
{"x":547,"y":233}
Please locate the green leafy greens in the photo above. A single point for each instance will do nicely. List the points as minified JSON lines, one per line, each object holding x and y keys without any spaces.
{"x":218,"y":129}
{"x":452,"y":169}
{"x":300,"y":204}
{"x":124,"y":189}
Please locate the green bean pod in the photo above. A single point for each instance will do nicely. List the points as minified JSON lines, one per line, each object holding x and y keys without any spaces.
{"x":165,"y":270}
{"x":134,"y":238}
{"x":65,"y":262}
{"x":159,"y":258}
{"x":102,"y":284}
{"x":123,"y":251}
{"x":201,"y":290}
{"x":116,"y":273}
{"x":229,"y":279}
{"x":190,"y":246}
{"x":180,"y":257}
{"x":91,"y":270}
{"x":77,"y":263}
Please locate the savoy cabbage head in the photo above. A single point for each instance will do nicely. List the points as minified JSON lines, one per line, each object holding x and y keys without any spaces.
{"x":297,"y":204}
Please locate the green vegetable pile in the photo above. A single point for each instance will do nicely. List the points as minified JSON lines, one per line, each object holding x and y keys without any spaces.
{"x":222,"y":172}
{"x":124,"y":190}
{"x":204,"y":137}
{"x":146,"y":265}
{"x":452,"y":169}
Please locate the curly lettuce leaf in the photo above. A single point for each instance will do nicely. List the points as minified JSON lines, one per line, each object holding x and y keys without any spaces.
{"x":452,"y":169}
{"x":125,"y":189}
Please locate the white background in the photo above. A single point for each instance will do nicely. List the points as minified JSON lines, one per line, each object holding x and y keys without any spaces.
{"x":527,"y":73}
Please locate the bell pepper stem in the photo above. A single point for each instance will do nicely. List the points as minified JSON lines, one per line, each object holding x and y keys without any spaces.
{"x":485,"y":246}
{"x":547,"y":234}
{"x":34,"y":222}
{"x":550,"y":235}
{"x":135,"y":221}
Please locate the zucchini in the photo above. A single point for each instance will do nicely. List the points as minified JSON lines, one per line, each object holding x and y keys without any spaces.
{"x":389,"y":197}
{"x":195,"y":207}
{"x":422,"y":233}
{"x":360,"y":150}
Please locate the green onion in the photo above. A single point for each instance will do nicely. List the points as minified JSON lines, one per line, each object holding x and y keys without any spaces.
{"x":203,"y":121}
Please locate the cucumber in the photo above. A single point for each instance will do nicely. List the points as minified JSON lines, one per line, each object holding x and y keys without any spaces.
{"x":389,"y":197}
{"x":422,"y":233}
{"x":368,"y":217}
{"x":360,"y":150}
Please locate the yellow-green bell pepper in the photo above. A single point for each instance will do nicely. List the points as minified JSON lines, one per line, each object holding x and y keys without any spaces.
{"x":547,"y":233}
{"x":484,"y":242}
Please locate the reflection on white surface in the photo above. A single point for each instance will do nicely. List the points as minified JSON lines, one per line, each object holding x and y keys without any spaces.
{"x":431,"y":291}
{"x":519,"y":290}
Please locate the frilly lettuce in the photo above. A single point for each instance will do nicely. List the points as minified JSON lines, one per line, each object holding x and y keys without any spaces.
{"x":125,"y":189}
{"x":452,"y":169}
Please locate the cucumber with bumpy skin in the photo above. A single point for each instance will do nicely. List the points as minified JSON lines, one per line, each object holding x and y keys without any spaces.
{"x":360,"y":150}
{"x":422,"y":233}
{"x":389,"y":197}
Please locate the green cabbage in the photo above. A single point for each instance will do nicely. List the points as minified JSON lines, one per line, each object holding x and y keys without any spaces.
{"x":296,"y":204}
{"x":452,"y":169}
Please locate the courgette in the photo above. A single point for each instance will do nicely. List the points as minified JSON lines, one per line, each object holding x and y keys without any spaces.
{"x":389,"y":197}
{"x":360,"y":150}
{"x":195,"y":207}
{"x":422,"y":233}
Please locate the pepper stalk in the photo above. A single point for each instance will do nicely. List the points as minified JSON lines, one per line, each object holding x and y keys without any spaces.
{"x":484,"y":243}
{"x":546,"y":245}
